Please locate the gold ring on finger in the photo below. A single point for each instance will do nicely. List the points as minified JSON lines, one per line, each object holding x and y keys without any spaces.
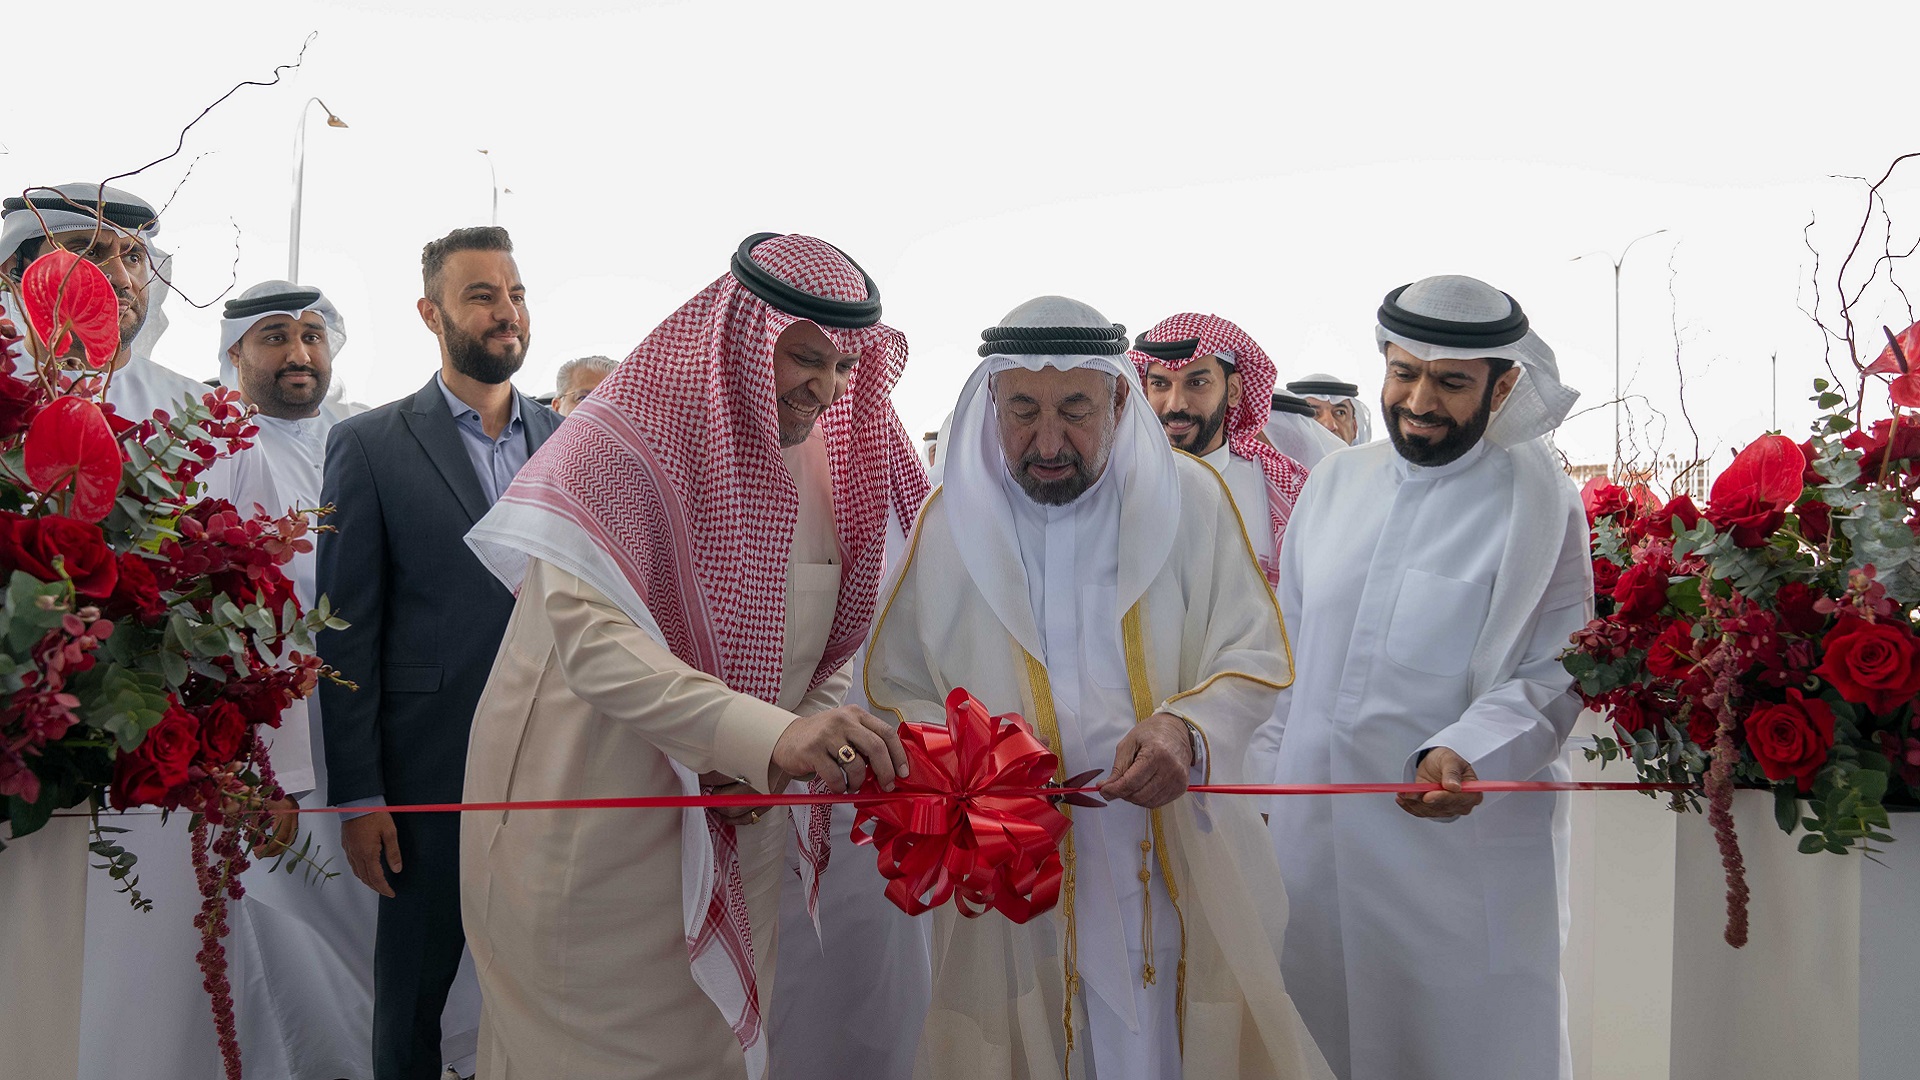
{"x":847,"y":754}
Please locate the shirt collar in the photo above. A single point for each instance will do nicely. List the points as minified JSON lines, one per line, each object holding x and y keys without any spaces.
{"x":462,"y":409}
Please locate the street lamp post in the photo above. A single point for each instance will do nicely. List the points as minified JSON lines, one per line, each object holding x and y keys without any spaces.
{"x":299,"y":179}
{"x":1615,"y":472}
{"x":493,"y":174}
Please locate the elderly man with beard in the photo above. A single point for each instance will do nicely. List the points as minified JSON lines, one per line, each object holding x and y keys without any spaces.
{"x":407,"y":481}
{"x":1432,"y":582}
{"x":1075,"y":570}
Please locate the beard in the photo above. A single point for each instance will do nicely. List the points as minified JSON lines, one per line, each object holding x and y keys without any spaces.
{"x":1055,"y":492}
{"x":283,"y":402}
{"x":133,"y":314}
{"x":793,"y":429}
{"x":1458,"y":439}
{"x":473,"y":355}
{"x":1200,"y":439}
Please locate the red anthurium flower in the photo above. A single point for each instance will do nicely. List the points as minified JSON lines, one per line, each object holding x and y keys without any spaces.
{"x":1751,"y":498}
{"x":1889,"y":364}
{"x":64,"y":292}
{"x":1905,"y":391}
{"x":69,"y":445}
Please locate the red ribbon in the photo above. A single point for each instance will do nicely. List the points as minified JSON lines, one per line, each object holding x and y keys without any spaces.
{"x":972,"y":820}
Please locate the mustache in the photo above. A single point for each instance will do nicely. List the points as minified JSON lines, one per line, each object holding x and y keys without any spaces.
{"x":1179,"y":418}
{"x":300,"y":369}
{"x":1068,"y":458}
{"x":1401,"y":413}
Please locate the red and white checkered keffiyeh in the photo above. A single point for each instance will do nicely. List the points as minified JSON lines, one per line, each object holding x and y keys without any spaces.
{"x":1285,"y":476}
{"x":671,"y":482}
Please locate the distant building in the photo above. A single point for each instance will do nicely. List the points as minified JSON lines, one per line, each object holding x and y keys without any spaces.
{"x":1671,"y":476}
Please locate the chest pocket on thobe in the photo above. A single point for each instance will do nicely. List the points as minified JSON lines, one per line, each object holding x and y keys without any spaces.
{"x":812,"y":595}
{"x":1100,"y":646}
{"x":1430,"y":619}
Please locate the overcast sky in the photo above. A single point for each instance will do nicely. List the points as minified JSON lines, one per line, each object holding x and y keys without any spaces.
{"x":1281,"y":168}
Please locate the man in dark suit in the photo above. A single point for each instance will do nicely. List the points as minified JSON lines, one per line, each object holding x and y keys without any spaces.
{"x":407,"y":480}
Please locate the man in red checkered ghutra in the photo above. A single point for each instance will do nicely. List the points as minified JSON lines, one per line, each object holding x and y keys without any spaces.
{"x":696,"y":553}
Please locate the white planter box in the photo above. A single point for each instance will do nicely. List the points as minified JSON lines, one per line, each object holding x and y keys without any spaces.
{"x":1825,"y":987}
{"x":43,"y":918}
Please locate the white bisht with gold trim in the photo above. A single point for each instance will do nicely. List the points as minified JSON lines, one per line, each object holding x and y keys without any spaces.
{"x":1140,"y":596}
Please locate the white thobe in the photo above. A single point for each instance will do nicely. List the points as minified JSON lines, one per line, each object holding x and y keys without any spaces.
{"x":300,"y":951}
{"x":1423,"y":948}
{"x":1072,"y":559}
{"x":1247,"y":483}
{"x":867,"y":958}
{"x":142,"y":1011}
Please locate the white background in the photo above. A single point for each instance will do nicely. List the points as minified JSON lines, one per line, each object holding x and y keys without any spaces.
{"x":1282,"y":166}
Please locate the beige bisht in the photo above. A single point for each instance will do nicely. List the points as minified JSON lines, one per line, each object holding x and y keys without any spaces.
{"x":1204,"y":642}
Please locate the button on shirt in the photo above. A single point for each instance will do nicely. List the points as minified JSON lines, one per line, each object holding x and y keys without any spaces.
{"x":495,"y":460}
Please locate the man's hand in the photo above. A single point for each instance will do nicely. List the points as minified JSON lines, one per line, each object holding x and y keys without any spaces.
{"x":272,"y":845}
{"x":366,"y":839}
{"x":1448,"y":769}
{"x":818,"y":745}
{"x":1151,"y":766}
{"x":719,"y":783}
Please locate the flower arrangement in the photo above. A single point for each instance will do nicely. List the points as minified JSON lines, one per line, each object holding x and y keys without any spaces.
{"x":147,"y":632}
{"x":1769,"y":639}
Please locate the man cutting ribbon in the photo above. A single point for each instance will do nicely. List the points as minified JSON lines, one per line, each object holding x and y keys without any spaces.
{"x":1075,"y":570}
{"x":696,"y":552}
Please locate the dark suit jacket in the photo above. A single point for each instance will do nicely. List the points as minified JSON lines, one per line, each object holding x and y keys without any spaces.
{"x":426,"y":616}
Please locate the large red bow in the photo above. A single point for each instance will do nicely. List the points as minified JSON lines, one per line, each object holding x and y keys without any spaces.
{"x":981,"y":848}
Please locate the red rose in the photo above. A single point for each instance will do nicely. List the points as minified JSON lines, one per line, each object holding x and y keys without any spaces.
{"x":260,"y":700}
{"x":1674,"y":652}
{"x":1794,"y":601}
{"x":1703,"y":727}
{"x":1629,"y":713}
{"x":1876,"y":664}
{"x":1659,"y":523}
{"x":1606,"y":574}
{"x":1641,"y":592}
{"x":223,"y":727}
{"x":137,"y":593}
{"x":1602,"y":498}
{"x":1790,"y":740}
{"x":31,"y":544}
{"x":1816,"y":520}
{"x":1751,"y":498}
{"x":20,"y":400}
{"x":148,"y":775}
{"x":1882,"y":442}
{"x":1811,"y":477}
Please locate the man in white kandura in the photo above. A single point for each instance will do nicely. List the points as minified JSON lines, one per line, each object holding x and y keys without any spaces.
{"x":139,"y":1010}
{"x":1338,"y":407}
{"x":1075,"y":570}
{"x":1431,"y":583}
{"x":301,"y":951}
{"x":1293,"y":428}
